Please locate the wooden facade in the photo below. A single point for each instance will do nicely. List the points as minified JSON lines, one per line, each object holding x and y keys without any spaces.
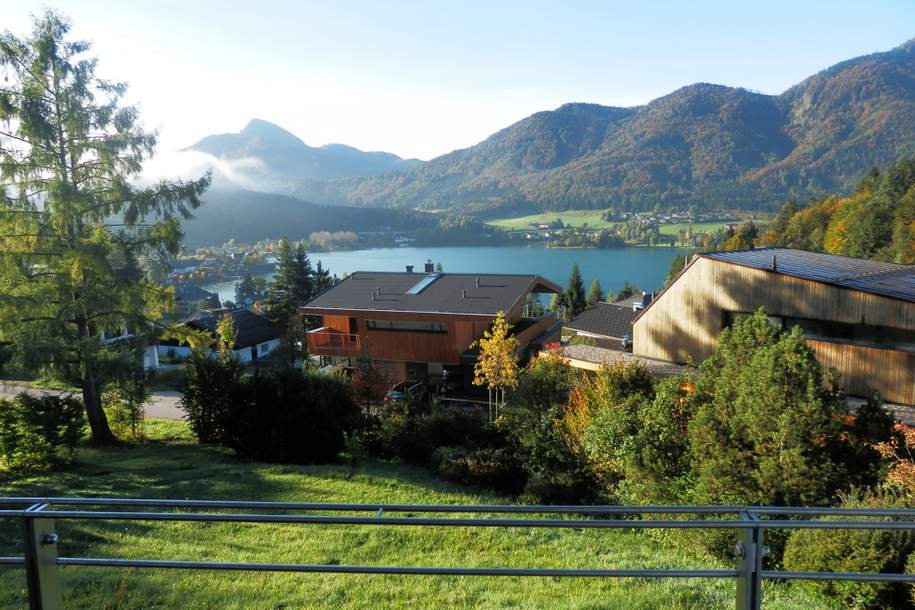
{"x":420,"y":346}
{"x":684,"y":322}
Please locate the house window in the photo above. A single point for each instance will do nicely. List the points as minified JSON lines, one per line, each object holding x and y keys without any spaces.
{"x":407,"y":326}
{"x":830,"y":330}
{"x":264,"y":348}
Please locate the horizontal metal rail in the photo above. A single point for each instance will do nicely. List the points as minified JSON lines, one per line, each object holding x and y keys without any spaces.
{"x":39,"y":515}
{"x":409,"y":570}
{"x":29,"y":501}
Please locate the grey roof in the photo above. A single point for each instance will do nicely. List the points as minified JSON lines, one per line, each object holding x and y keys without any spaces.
{"x":605,"y":319}
{"x":886,"y":279}
{"x":250,"y":328}
{"x":459,"y":293}
{"x":191,"y":293}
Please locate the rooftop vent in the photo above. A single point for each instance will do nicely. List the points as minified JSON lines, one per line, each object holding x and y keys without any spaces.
{"x":409,"y":268}
{"x":429,"y":268}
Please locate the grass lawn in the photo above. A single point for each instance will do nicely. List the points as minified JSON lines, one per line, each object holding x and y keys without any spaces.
{"x":172,"y":465}
{"x":578,"y":218}
{"x":698,"y":227}
{"x":572,"y":218}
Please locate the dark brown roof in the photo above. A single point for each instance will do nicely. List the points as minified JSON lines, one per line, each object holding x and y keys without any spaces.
{"x":456,"y":293}
{"x":885,"y":279}
{"x":605,"y":319}
{"x":250,"y":328}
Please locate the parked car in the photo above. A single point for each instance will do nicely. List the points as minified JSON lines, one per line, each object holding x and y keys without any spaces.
{"x":403,"y":391}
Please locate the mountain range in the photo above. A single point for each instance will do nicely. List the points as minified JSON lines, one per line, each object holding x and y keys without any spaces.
{"x":704,"y":144}
{"x":277,"y":160}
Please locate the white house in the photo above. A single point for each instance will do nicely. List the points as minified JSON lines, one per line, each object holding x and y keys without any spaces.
{"x":256,"y":336}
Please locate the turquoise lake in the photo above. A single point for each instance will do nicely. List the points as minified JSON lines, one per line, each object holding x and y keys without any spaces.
{"x":643,"y":267}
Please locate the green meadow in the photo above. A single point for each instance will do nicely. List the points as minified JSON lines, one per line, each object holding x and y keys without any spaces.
{"x":170,"y":464}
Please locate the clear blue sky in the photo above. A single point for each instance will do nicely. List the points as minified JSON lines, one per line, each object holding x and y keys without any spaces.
{"x":422,"y":78}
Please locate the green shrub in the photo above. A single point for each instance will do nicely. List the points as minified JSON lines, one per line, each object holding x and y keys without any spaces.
{"x":855,"y":551}
{"x":411,"y":431}
{"x":764,"y":431}
{"x":125,"y":405}
{"x":290,"y":417}
{"x":490,"y":467}
{"x":533,"y":420}
{"x":210,"y":394}
{"x":39,"y":432}
{"x":276,"y":416}
{"x":656,"y":462}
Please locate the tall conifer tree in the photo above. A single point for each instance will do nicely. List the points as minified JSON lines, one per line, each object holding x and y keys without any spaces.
{"x":73,"y":223}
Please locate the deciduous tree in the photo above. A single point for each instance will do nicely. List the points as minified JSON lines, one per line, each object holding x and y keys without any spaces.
{"x":497,"y":365}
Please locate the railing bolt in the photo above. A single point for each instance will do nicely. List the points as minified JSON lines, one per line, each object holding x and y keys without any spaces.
{"x":740,"y":551}
{"x":49,"y":538}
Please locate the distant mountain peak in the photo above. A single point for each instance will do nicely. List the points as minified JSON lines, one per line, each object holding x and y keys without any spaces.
{"x":285,"y":162}
{"x":271,"y":132}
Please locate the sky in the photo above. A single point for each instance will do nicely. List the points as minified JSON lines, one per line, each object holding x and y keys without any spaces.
{"x":422,"y":78}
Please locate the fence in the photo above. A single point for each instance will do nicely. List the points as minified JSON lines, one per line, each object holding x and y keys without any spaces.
{"x":42,"y":561}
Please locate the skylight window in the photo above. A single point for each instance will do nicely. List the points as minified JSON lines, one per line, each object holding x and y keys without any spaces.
{"x":424,"y":283}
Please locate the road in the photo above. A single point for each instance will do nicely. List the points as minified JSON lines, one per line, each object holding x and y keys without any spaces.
{"x":164,"y":404}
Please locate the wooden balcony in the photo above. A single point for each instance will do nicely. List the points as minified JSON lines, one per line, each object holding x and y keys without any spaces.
{"x":530,"y":328}
{"x":329,"y":342}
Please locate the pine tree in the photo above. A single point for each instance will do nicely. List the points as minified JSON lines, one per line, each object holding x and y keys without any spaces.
{"x":292,"y":286}
{"x":322,"y":279}
{"x":574,"y":294}
{"x":246,"y":292}
{"x":595,"y":294}
{"x":73,"y":224}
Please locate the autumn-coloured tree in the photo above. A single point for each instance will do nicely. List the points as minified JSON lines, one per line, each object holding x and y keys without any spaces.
{"x":497,"y":365}
{"x":900,"y":451}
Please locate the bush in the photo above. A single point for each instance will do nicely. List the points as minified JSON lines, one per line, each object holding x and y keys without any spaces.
{"x":411,"y":432}
{"x":489,"y":467}
{"x":39,"y":432}
{"x":274,"y":416}
{"x":534,"y":421}
{"x":764,"y":431}
{"x":125,"y":405}
{"x":855,"y":551}
{"x":211,"y":391}
{"x":288,"y":416}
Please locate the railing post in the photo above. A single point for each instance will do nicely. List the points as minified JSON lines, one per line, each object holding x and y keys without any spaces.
{"x":41,"y":567}
{"x":750,"y":551}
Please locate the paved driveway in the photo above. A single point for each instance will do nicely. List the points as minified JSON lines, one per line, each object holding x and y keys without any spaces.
{"x":164,"y":404}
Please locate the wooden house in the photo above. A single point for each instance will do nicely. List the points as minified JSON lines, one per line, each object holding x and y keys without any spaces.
{"x":858,"y":315}
{"x":421,"y":326}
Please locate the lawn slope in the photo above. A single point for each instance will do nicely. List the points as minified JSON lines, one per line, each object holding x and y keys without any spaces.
{"x":171,"y":465}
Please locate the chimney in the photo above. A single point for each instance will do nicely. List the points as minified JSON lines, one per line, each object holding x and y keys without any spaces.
{"x":774,"y":264}
{"x":409,"y":268}
{"x":429,"y":266}
{"x":646,"y":298}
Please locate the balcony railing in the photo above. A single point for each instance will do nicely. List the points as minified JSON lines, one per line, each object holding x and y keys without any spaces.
{"x":328,"y":340}
{"x":42,"y":560}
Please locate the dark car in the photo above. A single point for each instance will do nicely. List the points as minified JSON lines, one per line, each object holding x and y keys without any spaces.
{"x":403,"y":391}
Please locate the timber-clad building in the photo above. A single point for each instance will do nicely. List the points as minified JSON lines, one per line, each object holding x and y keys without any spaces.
{"x":858,"y":315}
{"x":421,"y":326}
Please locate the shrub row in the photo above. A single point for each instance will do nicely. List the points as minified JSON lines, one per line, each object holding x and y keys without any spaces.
{"x":39,"y":432}
{"x":281,"y":416}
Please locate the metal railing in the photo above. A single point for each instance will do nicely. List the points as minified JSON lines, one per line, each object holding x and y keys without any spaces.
{"x":328,"y":339}
{"x":38,"y":517}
